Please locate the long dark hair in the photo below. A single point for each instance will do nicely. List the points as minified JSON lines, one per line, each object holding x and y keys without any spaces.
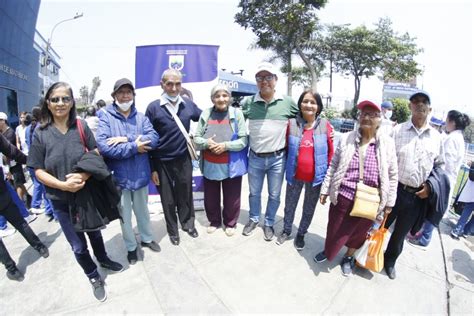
{"x":316,"y":96}
{"x":36,"y":119}
{"x":461,"y":120}
{"x":46,"y":115}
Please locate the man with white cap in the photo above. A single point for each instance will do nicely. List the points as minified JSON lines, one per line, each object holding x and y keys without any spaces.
{"x":419,"y":151}
{"x":268,"y":114}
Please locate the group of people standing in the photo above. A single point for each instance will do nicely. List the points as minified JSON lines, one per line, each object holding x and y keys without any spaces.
{"x":283,"y":138}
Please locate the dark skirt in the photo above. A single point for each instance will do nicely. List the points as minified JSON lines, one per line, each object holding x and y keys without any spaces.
{"x":343,"y":229}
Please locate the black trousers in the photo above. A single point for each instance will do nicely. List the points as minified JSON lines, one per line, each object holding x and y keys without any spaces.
{"x":13,"y":216}
{"x":406,"y":211}
{"x":176,"y":193}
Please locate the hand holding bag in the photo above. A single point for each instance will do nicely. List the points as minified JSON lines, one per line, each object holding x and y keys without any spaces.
{"x":189,"y":143}
{"x":370,"y":256}
{"x":367,"y":198}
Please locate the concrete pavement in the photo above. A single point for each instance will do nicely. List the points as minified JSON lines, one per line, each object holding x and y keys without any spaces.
{"x":216,"y":274}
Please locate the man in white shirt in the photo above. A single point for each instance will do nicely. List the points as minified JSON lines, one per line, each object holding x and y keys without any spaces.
{"x":419,"y":150}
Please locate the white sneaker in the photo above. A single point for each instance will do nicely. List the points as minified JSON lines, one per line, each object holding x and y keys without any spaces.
{"x":229,"y":231}
{"x":7,"y":232}
{"x":211,"y":229}
{"x":30,"y":218}
{"x":34,"y":210}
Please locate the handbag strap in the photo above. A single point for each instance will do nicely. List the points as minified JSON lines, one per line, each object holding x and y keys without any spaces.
{"x":82,"y":135}
{"x":181,"y":126}
{"x":361,"y":165}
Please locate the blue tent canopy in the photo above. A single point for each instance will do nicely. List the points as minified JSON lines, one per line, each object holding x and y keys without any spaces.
{"x":237,"y":85}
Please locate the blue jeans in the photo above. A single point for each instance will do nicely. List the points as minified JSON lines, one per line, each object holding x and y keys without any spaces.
{"x":16,"y":199}
{"x":426,"y":233}
{"x":39,"y":193}
{"x":274,"y":168}
{"x":464,"y":226}
{"x":3,"y":223}
{"x":138,"y":200}
{"x":78,"y":241}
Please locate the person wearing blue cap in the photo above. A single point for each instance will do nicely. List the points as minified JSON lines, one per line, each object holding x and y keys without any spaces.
{"x":386,"y":126}
{"x":419,"y":153}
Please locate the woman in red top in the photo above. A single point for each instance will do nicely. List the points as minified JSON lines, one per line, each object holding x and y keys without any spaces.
{"x":310,"y":149}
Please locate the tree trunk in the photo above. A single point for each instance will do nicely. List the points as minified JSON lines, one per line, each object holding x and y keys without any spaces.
{"x":357,"y":80}
{"x":289,"y":83}
{"x":314,"y":77}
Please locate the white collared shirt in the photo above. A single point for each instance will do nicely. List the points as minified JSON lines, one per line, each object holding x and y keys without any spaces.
{"x":172,"y":108}
{"x":417,"y":152}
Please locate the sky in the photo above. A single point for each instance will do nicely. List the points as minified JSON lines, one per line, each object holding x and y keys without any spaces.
{"x":102,"y":43}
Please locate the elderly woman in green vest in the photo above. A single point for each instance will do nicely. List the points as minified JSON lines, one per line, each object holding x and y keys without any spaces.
{"x":310,"y":149}
{"x":222,"y":138}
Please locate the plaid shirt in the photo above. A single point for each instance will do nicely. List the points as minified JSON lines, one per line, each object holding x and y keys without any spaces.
{"x":371,"y":172}
{"x":418,"y":151}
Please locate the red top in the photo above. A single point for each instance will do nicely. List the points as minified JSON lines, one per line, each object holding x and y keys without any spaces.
{"x":305,"y":165}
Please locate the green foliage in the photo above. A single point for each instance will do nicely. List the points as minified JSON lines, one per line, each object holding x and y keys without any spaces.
{"x":469,"y":132}
{"x":95,"y":85}
{"x":329,"y":113}
{"x":281,"y":26}
{"x":401,"y":110}
{"x":84,"y":94}
{"x":347,"y":114}
{"x":364,"y":52}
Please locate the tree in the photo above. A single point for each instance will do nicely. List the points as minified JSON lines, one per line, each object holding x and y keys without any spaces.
{"x":362,"y":52}
{"x":95,"y":85}
{"x":84,"y":93}
{"x":282,"y":26}
{"x":401,"y":110}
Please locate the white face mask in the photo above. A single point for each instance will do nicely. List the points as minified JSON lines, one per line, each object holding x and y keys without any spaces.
{"x":171,"y":98}
{"x":388,"y":114}
{"x":124,"y":106}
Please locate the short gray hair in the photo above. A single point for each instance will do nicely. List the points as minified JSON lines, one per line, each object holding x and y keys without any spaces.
{"x":220,"y":87}
{"x":171,"y":71}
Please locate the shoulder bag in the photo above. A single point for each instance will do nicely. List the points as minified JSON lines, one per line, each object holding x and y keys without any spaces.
{"x":367,"y":198}
{"x":189,"y":142}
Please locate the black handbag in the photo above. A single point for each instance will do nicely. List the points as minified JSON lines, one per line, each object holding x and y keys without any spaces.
{"x":85,"y":218}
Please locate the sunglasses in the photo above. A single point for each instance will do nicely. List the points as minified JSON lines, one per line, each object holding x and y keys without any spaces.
{"x":57,"y":99}
{"x":266,"y":78}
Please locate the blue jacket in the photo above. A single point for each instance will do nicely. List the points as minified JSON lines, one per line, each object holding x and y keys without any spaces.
{"x":321,"y":149}
{"x":130,"y":168}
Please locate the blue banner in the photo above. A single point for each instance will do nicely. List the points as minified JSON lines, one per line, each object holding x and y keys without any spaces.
{"x":197,"y":63}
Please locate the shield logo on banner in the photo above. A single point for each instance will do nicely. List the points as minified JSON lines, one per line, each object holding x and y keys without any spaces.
{"x":176,"y":62}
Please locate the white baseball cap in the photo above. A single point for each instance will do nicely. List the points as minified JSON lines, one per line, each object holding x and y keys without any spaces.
{"x":3,"y":116}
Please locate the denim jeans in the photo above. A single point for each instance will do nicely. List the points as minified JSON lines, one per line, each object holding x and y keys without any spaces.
{"x":426,"y":233}
{"x":464,"y":226}
{"x":3,"y":223}
{"x":78,"y":241}
{"x":274,"y":168}
{"x":138,"y":200}
{"x":39,"y":193}
{"x":16,"y":199}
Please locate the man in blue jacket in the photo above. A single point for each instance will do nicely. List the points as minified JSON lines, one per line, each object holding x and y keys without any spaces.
{"x":171,"y":161}
{"x":124,"y":137}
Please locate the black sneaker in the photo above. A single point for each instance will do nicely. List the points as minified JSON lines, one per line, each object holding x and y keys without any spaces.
{"x":152,"y":245}
{"x":248,"y":229}
{"x":132,"y":257}
{"x":320,"y":257}
{"x":347,"y":265}
{"x":43,"y":251}
{"x":15,"y":275}
{"x":98,"y":288}
{"x":268,"y":233}
{"x":299,"y":242}
{"x":282,"y":238}
{"x":111,"y":265}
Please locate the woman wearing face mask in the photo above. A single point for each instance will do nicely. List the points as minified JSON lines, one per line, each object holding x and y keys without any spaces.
{"x":454,"y":151}
{"x":124,"y":136}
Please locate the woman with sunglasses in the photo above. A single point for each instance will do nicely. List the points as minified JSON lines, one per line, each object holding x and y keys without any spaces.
{"x":56,"y":148}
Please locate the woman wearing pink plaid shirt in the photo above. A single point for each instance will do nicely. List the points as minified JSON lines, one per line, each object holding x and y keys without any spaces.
{"x":377,"y":150}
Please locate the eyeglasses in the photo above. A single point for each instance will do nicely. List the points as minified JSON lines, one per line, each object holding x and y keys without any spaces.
{"x":57,"y":99}
{"x":369,"y":114}
{"x":266,"y":78}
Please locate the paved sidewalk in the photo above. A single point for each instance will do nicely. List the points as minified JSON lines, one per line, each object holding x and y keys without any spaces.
{"x":216,"y":274}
